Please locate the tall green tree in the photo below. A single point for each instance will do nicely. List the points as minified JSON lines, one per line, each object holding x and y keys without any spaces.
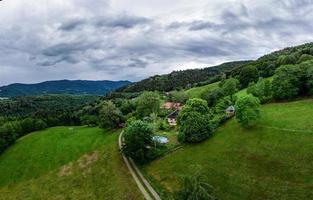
{"x":138,"y":140}
{"x":147,"y":103}
{"x":262,"y":89}
{"x":247,"y":110}
{"x":110,"y":115}
{"x":287,"y":82}
{"x":230,"y":87}
{"x":194,"y":121}
{"x":307,"y":77}
{"x":179,"y":96}
{"x":248,"y":74}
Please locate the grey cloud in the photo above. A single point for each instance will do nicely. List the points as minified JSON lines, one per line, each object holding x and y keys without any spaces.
{"x":105,"y":43}
{"x":123,"y":21}
{"x":72,"y":24}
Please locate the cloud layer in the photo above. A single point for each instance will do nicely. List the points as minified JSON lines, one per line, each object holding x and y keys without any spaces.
{"x":124,"y":39}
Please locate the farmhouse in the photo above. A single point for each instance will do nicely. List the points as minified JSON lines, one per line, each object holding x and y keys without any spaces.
{"x":172,"y":118}
{"x":176,"y":107}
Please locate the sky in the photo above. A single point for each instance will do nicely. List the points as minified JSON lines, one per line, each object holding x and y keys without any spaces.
{"x":133,"y":39}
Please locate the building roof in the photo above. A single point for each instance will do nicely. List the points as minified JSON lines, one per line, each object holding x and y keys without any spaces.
{"x":172,"y":105}
{"x":173,"y":114}
{"x":230,"y":109}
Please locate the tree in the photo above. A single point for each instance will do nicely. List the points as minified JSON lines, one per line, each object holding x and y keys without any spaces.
{"x":230,"y":87}
{"x":194,"y":121}
{"x":195,"y":187}
{"x":178,"y":96}
{"x":305,"y":57}
{"x":287,"y":82}
{"x":212,"y":96}
{"x":248,"y":74}
{"x":138,"y":140}
{"x":147,"y":103}
{"x":110,"y":115}
{"x":247,"y":110}
{"x":307,"y":77}
{"x":262,"y":89}
{"x":89,"y":120}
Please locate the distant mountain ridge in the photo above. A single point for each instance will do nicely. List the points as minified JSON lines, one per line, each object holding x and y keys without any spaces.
{"x":75,"y":87}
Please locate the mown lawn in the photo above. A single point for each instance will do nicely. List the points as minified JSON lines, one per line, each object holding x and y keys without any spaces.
{"x":259,"y":163}
{"x":66,"y":163}
{"x":197,"y":91}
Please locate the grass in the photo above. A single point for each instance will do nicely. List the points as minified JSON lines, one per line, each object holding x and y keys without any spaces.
{"x":66,"y":163}
{"x":259,"y":163}
{"x":197,"y":91}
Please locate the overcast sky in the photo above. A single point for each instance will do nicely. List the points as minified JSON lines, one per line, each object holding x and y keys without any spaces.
{"x":133,"y":39}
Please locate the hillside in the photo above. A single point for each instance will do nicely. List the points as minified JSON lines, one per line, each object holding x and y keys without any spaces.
{"x":271,"y":161}
{"x":77,"y":87}
{"x":180,"y":79}
{"x":197,"y":91}
{"x":66,"y":163}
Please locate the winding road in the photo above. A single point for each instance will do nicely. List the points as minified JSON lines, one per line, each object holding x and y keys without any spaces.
{"x":146,"y":189}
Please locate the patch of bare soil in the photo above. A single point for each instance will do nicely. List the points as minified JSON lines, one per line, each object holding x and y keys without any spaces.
{"x":83,"y":164}
{"x":66,"y":170}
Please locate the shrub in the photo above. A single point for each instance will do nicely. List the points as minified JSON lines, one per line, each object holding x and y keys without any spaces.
{"x":195,"y":187}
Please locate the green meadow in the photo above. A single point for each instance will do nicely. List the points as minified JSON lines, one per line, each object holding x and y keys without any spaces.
{"x":197,"y":91}
{"x":66,"y":163}
{"x":270,"y":161}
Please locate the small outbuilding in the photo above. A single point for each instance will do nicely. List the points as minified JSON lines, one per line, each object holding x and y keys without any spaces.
{"x":230,"y":111}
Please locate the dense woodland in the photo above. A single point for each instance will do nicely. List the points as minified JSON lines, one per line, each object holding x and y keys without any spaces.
{"x":22,"y":115}
{"x":182,"y":79}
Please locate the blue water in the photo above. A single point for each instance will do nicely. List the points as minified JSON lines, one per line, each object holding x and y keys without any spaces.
{"x":160,"y":139}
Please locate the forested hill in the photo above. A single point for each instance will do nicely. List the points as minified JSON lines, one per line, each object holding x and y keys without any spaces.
{"x":180,"y":79}
{"x":76,"y":87}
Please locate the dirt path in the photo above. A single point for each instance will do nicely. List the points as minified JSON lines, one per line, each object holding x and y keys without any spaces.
{"x":146,"y":189}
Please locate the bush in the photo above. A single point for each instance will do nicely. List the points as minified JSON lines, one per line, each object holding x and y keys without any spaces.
{"x":89,"y":120}
{"x":195,"y":187}
{"x":138,"y":141}
{"x":247,"y":110}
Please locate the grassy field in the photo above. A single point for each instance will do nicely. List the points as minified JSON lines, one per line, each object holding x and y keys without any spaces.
{"x":271,"y":161}
{"x":197,"y":91}
{"x":66,"y":163}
